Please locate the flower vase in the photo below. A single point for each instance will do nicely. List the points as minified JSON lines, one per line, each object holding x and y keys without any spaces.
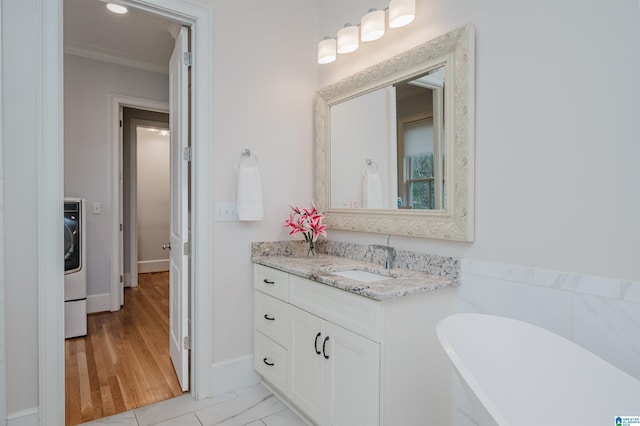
{"x":311,"y":247}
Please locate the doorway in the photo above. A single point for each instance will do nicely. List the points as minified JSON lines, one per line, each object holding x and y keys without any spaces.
{"x":195,"y":175}
{"x":145,"y":160}
{"x":50,"y":192}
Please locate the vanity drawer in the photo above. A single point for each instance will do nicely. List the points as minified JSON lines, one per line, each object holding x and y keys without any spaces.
{"x":271,"y":317}
{"x":270,"y":361}
{"x":271,"y":281}
{"x":358,"y":314}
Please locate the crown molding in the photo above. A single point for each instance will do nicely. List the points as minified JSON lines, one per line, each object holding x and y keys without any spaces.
{"x":106,"y":55}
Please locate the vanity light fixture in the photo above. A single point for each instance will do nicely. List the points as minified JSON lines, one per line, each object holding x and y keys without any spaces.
{"x":372,"y":25}
{"x":348,"y":38}
{"x":401,"y":12}
{"x":117,"y":8}
{"x":327,"y":50}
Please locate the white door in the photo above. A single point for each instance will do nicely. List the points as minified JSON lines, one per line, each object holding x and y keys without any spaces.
{"x":352,"y":379}
{"x":120,"y":213}
{"x":179,"y":258}
{"x":306,"y":363}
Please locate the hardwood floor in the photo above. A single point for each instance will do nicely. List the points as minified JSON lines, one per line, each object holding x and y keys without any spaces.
{"x":123,"y":362}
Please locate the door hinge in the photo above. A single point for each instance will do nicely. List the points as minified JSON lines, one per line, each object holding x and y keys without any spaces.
{"x":186,"y":154}
{"x":120,"y":123}
{"x":188,"y":57}
{"x":186,"y":343}
{"x":121,"y":227}
{"x":186,"y":249}
{"x":121,"y":279}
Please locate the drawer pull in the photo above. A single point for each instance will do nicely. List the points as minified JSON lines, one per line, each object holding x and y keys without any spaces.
{"x":315,"y":345}
{"x":326,"y":339}
{"x":268,"y":318}
{"x":268,"y":282}
{"x":270,"y":364}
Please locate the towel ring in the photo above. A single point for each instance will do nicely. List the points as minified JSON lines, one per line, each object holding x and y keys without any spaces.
{"x":248,"y":155}
{"x":370,"y":165}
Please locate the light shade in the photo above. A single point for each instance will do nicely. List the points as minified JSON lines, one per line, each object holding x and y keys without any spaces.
{"x":372,"y":25}
{"x":327,"y":50}
{"x":348,"y":38}
{"x":401,"y":12}
{"x":116,"y":8}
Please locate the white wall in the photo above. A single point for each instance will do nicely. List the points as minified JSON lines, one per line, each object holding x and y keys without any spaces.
{"x":265,"y":76}
{"x":3,"y":370}
{"x":88,"y":84}
{"x":556,"y":127}
{"x":557,"y":229}
{"x":19,"y":141}
{"x":153,"y":199}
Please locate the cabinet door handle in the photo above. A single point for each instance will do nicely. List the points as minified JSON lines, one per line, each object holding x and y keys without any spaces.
{"x":268,"y":282}
{"x":270,"y":364}
{"x":326,"y":339}
{"x":315,"y":344}
{"x":268,"y":318}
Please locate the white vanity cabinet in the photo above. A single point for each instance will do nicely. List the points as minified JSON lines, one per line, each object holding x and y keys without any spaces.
{"x":344,"y":359}
{"x":333,"y":374}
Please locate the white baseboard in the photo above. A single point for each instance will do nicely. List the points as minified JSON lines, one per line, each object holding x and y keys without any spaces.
{"x":28,"y":417}
{"x":233,"y":374}
{"x":98,"y":303}
{"x":145,"y":266}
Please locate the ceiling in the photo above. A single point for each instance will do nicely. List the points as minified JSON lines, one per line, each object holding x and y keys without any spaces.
{"x":135,"y":39}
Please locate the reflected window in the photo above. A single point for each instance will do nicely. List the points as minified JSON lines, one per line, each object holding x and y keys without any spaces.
{"x":418,"y":191}
{"x":420,"y":142}
{"x":421,"y":194}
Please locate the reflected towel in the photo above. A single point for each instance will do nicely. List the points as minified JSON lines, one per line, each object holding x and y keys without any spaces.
{"x":371,"y":190}
{"x":249,"y":193}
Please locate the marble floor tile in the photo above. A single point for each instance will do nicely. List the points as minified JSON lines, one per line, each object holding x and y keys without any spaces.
{"x":267,"y":407}
{"x":175,"y":407}
{"x":128,"y":418}
{"x":251,"y":404}
{"x":186,"y":420}
{"x":284,"y":418}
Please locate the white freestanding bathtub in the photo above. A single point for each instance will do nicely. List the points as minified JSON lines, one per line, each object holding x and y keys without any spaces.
{"x":517,"y":374}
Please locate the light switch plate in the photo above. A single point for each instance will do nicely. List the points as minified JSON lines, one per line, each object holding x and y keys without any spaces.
{"x":97,"y":208}
{"x":225,"y":212}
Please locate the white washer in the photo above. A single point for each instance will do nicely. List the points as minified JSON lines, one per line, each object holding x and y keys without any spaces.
{"x":75,"y":271}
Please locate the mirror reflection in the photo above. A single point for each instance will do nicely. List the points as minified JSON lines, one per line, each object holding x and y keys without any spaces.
{"x":387,"y":147}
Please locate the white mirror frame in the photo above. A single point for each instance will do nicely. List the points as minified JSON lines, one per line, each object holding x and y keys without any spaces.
{"x":456,"y":50}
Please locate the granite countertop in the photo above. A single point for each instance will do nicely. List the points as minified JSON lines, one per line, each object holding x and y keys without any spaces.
{"x":320,"y":268}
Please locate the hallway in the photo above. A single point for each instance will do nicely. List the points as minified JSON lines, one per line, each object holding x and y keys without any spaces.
{"x":123,"y":363}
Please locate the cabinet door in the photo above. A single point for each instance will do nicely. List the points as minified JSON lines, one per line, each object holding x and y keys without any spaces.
{"x":306,"y":363}
{"x":352,"y":379}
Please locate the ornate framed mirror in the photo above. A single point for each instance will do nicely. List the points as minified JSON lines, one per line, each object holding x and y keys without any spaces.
{"x":395,"y":143}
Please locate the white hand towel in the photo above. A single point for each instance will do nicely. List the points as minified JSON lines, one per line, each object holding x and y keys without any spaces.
{"x":371,"y":190}
{"x":249,"y":193}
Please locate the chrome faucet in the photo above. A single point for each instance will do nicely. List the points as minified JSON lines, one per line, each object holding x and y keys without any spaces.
{"x":388,"y":264}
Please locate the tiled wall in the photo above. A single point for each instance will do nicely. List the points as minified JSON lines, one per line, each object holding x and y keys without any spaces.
{"x":599,"y":314}
{"x":3,"y":399}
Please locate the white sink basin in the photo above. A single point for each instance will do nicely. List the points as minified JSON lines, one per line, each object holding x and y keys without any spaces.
{"x":364,"y":276}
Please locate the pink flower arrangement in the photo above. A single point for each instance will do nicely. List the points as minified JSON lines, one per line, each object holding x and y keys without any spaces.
{"x":308,"y":222}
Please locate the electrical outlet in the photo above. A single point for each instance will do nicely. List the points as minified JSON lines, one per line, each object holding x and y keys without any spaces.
{"x":225,"y":212}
